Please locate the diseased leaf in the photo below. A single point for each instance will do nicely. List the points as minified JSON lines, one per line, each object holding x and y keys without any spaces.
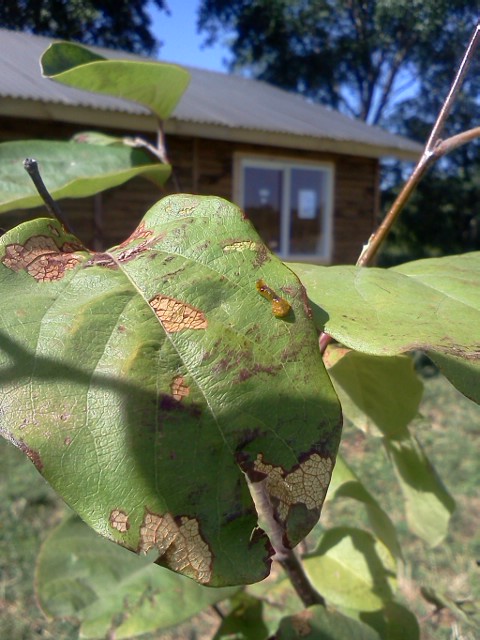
{"x":318,"y":623}
{"x":110,"y":591}
{"x":433,"y":305}
{"x":157,"y":85}
{"x":146,"y":382}
{"x":352,"y":569}
{"x":70,"y":170}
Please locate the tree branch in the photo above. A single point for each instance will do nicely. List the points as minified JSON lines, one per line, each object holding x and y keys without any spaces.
{"x":434,"y":149}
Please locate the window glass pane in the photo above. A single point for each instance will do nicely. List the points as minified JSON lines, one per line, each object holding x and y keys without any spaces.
{"x":262,"y":202}
{"x":308,"y":191}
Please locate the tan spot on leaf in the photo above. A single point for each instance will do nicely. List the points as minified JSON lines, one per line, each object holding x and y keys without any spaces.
{"x":179,"y":543}
{"x":241,"y":245}
{"x":307,"y":484}
{"x":41,"y":258}
{"x":176,"y":316}
{"x":119,"y":520}
{"x":179,"y":389}
{"x":182,"y":206}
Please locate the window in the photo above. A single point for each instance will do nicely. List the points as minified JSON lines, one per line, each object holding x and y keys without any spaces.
{"x":290,"y":205}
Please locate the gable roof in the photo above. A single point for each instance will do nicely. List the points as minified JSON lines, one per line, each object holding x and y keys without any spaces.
{"x":215,"y":105}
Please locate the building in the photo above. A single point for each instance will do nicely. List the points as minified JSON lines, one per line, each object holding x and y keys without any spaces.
{"x":307,"y":176}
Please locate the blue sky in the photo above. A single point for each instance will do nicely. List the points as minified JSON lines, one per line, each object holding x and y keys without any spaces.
{"x":182,"y":43}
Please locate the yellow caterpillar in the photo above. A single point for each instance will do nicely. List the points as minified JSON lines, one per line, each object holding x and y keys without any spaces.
{"x":280,"y":307}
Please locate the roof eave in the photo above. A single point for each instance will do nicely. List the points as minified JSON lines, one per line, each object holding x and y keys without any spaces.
{"x":86,"y":116}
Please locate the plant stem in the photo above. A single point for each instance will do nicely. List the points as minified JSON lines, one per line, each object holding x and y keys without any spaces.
{"x":287,"y":558}
{"x":299,"y":579}
{"x":31,"y":167}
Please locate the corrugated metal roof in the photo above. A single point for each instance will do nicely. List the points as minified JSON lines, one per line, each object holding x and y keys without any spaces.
{"x":213,"y":98}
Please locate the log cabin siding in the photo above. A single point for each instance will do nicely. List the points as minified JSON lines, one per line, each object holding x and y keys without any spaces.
{"x":204,"y":167}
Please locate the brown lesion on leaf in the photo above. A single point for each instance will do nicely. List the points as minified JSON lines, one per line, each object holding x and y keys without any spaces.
{"x":138,"y":249}
{"x":141,"y":232}
{"x":179,"y":543}
{"x":41,"y":258}
{"x":176,"y":315}
{"x":305,"y":484}
{"x":99,"y":259}
{"x":179,"y":389}
{"x":32,"y":454}
{"x":119,"y":520}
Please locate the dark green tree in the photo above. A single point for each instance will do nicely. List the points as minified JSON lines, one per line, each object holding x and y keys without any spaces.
{"x":118,"y":24}
{"x":354,"y":55}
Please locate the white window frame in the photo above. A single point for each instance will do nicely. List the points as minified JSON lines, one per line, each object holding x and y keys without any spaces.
{"x":243,"y":161}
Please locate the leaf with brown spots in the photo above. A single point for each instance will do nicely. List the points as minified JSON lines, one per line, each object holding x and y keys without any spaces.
{"x":151,"y":378}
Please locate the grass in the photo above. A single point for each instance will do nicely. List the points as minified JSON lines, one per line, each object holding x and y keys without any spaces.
{"x":449,"y":433}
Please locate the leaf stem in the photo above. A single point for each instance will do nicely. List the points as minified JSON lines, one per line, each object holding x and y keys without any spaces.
{"x":434,"y":149}
{"x":31,"y":167}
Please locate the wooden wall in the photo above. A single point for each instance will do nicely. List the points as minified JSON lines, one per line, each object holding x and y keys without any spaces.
{"x":204,"y":167}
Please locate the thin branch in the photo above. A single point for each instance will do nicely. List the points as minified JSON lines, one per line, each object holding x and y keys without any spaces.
{"x":140,"y":143}
{"x":31,"y":167}
{"x":300,"y":582}
{"x":454,"y":142}
{"x":434,"y":149}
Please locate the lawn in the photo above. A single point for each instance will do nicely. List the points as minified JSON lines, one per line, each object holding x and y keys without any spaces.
{"x":449,"y":432}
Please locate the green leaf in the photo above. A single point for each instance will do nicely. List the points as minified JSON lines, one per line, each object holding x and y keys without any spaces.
{"x":110,"y":591}
{"x":245,"y":621}
{"x":393,"y":622}
{"x":463,"y":374}
{"x":318,"y":623}
{"x":428,"y":505}
{"x":379,"y":395}
{"x":352,"y":569}
{"x":278,"y":598}
{"x":70,"y":170}
{"x":433,"y":305}
{"x":157,"y":85}
{"x":146,"y":382}
{"x":345,"y":484}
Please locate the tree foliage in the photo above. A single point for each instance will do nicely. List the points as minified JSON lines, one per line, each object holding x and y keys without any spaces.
{"x":353,"y":55}
{"x":121,"y":24}
{"x":388,"y":63}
